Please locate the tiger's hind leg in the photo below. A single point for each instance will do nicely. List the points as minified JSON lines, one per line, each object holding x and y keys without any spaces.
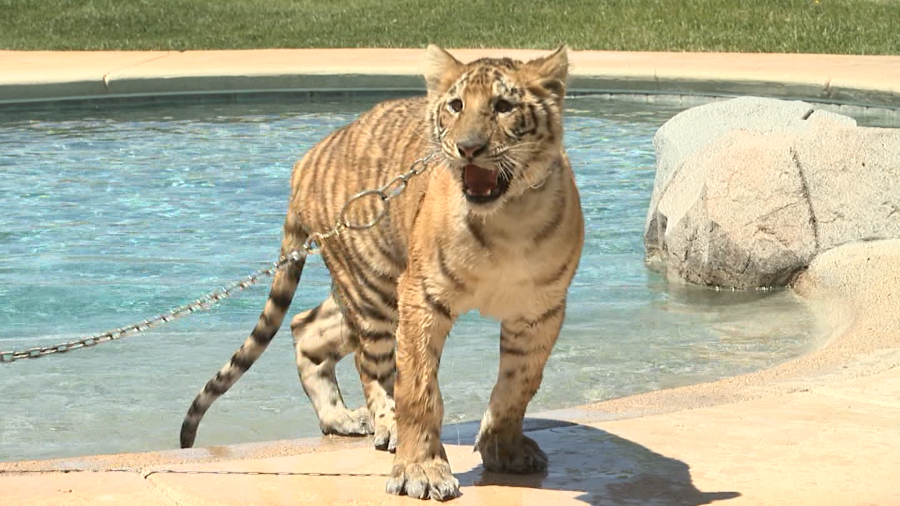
{"x":375,"y":361}
{"x":321,"y":340}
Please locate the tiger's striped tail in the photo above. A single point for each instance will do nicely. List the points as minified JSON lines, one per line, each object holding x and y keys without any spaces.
{"x":281,"y":293}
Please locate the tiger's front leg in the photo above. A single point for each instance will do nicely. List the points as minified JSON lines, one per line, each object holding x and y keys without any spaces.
{"x":421,"y":468}
{"x":525,"y":346}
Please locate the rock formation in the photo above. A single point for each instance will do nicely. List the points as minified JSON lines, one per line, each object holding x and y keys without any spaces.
{"x":748,"y":191}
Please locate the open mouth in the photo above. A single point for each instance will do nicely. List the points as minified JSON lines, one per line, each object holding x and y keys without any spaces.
{"x":482,"y":185}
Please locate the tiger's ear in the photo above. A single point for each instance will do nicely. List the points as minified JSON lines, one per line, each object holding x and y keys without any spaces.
{"x":550,"y":72}
{"x":441,"y":69}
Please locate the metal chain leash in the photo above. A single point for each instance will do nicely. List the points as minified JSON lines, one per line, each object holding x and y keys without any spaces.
{"x":384,"y":194}
{"x":202,"y":303}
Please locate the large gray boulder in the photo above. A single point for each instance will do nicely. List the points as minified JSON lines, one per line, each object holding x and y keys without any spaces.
{"x":748,"y":191}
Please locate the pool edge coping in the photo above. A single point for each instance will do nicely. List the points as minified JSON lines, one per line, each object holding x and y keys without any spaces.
{"x":40,"y":76}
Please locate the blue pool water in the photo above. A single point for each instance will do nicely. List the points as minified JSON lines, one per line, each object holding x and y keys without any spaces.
{"x":110,"y":214}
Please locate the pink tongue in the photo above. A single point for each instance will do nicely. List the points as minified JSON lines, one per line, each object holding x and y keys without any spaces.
{"x":479,"y":181}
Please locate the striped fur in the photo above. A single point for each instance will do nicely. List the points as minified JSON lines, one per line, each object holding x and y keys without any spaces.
{"x":507,"y":247}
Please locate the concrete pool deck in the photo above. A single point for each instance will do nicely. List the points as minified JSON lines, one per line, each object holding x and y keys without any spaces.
{"x":822,"y":429}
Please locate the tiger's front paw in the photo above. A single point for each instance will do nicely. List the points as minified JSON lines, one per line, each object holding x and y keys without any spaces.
{"x":423,"y":480}
{"x":510,"y":453}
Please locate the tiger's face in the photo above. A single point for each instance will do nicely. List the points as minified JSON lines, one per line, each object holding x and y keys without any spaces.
{"x":496,"y":122}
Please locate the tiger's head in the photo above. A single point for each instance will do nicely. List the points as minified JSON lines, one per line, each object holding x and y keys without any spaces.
{"x":496,"y":122}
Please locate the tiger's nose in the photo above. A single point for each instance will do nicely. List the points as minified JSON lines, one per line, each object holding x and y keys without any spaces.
{"x":471,"y":149}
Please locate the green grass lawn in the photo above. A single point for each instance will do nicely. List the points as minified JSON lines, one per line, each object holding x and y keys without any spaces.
{"x":805,"y":26}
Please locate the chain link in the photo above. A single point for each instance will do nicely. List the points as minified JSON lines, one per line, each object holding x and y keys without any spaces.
{"x":313,"y":244}
{"x":385,"y":193}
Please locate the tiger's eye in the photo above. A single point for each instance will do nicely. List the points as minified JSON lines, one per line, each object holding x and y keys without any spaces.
{"x":502,"y":106}
{"x":456,"y":105}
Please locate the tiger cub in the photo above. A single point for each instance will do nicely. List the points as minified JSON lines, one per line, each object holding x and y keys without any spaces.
{"x":494,"y":224}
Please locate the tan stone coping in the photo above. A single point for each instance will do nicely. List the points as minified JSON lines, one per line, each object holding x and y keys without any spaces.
{"x":40,"y":75}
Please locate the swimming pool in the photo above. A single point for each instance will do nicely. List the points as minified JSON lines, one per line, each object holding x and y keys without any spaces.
{"x":113,"y":213}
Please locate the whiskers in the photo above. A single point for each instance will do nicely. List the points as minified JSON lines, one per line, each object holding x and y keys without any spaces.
{"x":516,"y":153}
{"x":510,"y":160}
{"x":521,"y":148}
{"x":507,"y":167}
{"x":435,"y":147}
{"x":516,"y":159}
